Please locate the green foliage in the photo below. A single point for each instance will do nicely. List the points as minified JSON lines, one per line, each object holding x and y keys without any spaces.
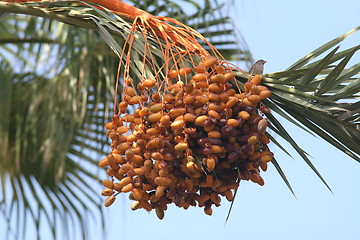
{"x":321,"y":96}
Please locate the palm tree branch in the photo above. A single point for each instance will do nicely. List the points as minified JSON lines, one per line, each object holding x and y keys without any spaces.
{"x":317,"y":52}
{"x":331,"y":79}
{"x":321,"y":96}
{"x":334,"y":137}
{"x":284,"y":134}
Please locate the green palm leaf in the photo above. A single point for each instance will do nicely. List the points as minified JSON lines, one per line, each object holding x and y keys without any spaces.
{"x":320,"y":97}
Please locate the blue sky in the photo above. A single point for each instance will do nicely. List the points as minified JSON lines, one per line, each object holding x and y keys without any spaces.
{"x":280,"y":32}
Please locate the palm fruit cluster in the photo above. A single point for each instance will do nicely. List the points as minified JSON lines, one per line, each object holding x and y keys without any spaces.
{"x":190,"y":143}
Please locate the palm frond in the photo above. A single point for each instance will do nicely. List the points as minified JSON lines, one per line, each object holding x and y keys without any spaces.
{"x":320,"y":96}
